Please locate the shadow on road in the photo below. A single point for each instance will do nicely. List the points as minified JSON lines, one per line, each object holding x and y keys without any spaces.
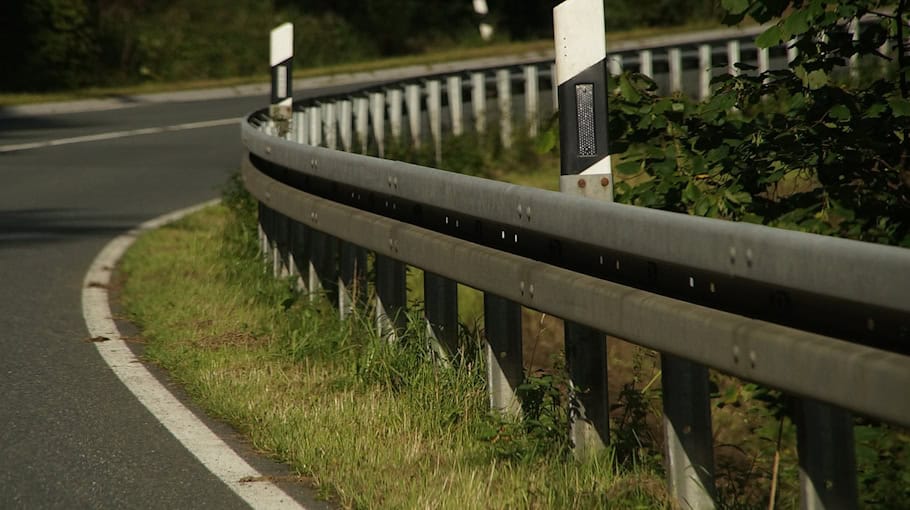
{"x":26,"y":227}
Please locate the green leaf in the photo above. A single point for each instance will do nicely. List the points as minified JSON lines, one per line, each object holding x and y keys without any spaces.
{"x":691,"y":193}
{"x":628,"y":167}
{"x":795,"y":24}
{"x":627,"y":90}
{"x":768,"y":38}
{"x":839,"y":112}
{"x":816,"y":79}
{"x":875,"y":111}
{"x":735,"y":6}
{"x":899,"y":107}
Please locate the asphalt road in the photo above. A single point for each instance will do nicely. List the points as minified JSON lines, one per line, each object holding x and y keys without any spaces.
{"x":71,"y":435}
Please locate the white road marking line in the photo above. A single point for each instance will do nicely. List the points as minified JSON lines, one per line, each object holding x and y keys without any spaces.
{"x":195,"y":436}
{"x":118,"y":134}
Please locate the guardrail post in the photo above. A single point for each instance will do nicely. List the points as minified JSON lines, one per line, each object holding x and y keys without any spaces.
{"x":733,"y":57}
{"x":396,"y":113}
{"x":263,"y":232}
{"x":704,"y":71}
{"x":440,"y":297}
{"x":345,"y":121}
{"x":323,"y":271}
{"x":362,"y":122}
{"x":502,"y":331}
{"x":827,"y":463}
{"x":281,"y":54}
{"x":674,"y":60}
{"x":299,"y":255}
{"x":280,"y":265}
{"x":687,"y":430}
{"x":377,"y":115}
{"x":331,"y":127}
{"x":352,"y":287}
{"x":453,"y":94}
{"x":299,"y":124}
{"x":792,"y":51}
{"x":504,"y":101}
{"x":646,"y":63}
{"x":764,"y":60}
{"x":614,"y":64}
{"x":314,"y":114}
{"x":412,"y":98}
{"x":854,"y":28}
{"x":479,"y":101}
{"x":391,"y":297}
{"x":586,"y":171}
{"x":434,"y":111}
{"x":532,"y":100}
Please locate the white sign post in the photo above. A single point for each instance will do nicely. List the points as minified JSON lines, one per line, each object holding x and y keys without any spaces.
{"x":280,"y":55}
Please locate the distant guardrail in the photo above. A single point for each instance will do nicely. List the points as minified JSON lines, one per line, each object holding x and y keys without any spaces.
{"x":825,"y":320}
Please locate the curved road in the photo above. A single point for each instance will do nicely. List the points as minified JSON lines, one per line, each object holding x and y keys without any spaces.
{"x":71,"y":435}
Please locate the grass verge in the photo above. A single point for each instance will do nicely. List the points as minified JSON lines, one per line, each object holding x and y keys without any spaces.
{"x":374,"y":424}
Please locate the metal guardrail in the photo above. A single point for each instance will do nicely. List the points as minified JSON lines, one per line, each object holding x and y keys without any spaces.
{"x":823,"y":319}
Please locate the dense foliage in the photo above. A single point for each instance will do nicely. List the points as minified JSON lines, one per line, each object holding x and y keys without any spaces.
{"x":805,"y":148}
{"x":65,"y":44}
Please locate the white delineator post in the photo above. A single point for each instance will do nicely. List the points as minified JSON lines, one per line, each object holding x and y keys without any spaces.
{"x":280,"y":56}
{"x":581,"y":75}
{"x":486,"y":29}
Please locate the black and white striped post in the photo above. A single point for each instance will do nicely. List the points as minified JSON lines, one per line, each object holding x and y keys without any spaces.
{"x":586,"y":171}
{"x":280,"y":55}
{"x":581,"y":75}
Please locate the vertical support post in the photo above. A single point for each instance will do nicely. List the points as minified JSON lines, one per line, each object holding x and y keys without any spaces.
{"x":854,"y":59}
{"x":504,"y":101}
{"x":827,"y":461}
{"x":362,"y":122}
{"x":502,"y":331}
{"x":323,"y":270}
{"x":532,"y":100}
{"x":764,"y":60}
{"x":479,"y":101}
{"x":275,"y":248}
{"x":281,"y":267}
{"x":581,"y":54}
{"x":486,"y":29}
{"x":396,"y":113}
{"x":314,"y":114}
{"x":345,"y":121}
{"x":331,"y":127}
{"x":704,"y":71}
{"x":434,"y":110}
{"x":299,"y":124}
{"x":377,"y":114}
{"x":733,"y":57}
{"x":263,"y":233}
{"x":674,"y":60}
{"x":352,"y":270}
{"x":281,"y":54}
{"x":391,"y":297}
{"x":299,"y":254}
{"x":440,"y":297}
{"x":453,"y":94}
{"x":646,"y":63}
{"x":614,"y":64}
{"x":412,"y":98}
{"x":792,"y":51}
{"x":687,"y":431}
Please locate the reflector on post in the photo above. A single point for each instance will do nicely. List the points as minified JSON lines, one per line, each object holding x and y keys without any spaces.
{"x":581,"y":76}
{"x":280,"y":55}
